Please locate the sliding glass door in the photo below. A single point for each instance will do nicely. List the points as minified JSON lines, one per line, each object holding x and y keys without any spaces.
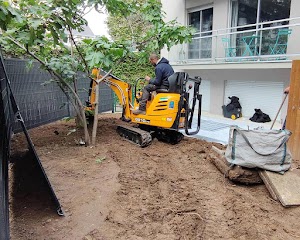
{"x":272,"y":10}
{"x":247,"y":12}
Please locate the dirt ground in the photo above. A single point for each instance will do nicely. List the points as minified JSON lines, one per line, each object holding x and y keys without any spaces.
{"x":117,"y":190}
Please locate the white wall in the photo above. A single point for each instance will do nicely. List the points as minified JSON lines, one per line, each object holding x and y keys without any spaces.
{"x":221,"y":19}
{"x":217,"y":82}
{"x":293,"y":44}
{"x":174,"y":11}
{"x":197,"y":3}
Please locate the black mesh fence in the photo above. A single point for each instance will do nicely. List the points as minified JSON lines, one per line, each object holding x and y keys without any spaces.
{"x":105,"y":94}
{"x":41,"y":102}
{"x":6,"y":120}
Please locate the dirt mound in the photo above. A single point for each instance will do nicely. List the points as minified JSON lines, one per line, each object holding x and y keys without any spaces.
{"x":117,"y":190}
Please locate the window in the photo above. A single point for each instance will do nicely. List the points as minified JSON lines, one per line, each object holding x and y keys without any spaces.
{"x":245,"y":12}
{"x":202,"y":21}
{"x":271,"y":10}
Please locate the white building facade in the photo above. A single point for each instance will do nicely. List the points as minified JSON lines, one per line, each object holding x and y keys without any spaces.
{"x":241,"y":48}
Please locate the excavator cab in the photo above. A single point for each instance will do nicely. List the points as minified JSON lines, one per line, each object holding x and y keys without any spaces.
{"x":167,"y":111}
{"x":166,"y":107}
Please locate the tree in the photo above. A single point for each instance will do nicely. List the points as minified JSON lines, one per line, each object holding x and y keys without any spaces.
{"x":128,"y":27}
{"x":145,"y":27}
{"x":40,"y":29}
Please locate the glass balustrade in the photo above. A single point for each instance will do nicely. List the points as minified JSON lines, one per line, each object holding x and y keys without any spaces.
{"x":266,"y":41}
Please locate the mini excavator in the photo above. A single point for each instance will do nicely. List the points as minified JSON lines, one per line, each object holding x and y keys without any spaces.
{"x":168,"y":110}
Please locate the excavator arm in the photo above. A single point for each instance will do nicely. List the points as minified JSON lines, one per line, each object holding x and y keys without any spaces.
{"x":122,"y":90}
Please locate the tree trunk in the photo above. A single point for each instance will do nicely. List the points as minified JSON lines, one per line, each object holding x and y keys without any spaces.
{"x":85,"y":128}
{"x":95,"y":124}
{"x":235,"y":173}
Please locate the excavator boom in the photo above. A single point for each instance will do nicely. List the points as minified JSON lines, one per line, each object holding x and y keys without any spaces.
{"x":123,"y":91}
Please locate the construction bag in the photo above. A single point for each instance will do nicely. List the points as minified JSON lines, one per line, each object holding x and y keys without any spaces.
{"x":265,"y":149}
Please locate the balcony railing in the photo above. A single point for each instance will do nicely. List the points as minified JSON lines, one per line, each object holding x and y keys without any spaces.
{"x":268,"y":42}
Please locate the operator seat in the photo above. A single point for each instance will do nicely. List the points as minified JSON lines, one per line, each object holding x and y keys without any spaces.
{"x":175,"y":83}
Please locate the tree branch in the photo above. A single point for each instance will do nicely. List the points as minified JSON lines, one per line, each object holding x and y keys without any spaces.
{"x":109,"y":72}
{"x":62,"y":81}
{"x":141,"y":44}
{"x":48,"y":69}
{"x":70,"y":99}
{"x":79,"y":52}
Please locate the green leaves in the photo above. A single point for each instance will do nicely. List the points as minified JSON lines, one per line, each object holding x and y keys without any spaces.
{"x":130,"y":27}
{"x":41,"y":20}
{"x":163,"y":33}
{"x":133,"y":67}
{"x":7,"y":15}
{"x":103,"y":53}
{"x":64,"y":66}
{"x":94,"y":58}
{"x":35,"y":23}
{"x":42,"y":27}
{"x":100,"y":159}
{"x":115,"y":7}
{"x":146,"y":29}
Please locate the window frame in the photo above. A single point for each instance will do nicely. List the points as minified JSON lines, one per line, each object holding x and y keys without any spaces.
{"x":200,"y":9}
{"x":258,"y":14}
{"x":258,"y":26}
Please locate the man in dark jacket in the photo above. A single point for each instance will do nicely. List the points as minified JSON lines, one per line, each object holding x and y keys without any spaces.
{"x":163,"y":71}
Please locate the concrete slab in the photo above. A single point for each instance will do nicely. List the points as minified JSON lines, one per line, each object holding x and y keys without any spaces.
{"x":215,"y":128}
{"x":285,"y":187}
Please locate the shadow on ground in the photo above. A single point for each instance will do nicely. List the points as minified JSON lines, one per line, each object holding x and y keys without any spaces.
{"x":29,"y":190}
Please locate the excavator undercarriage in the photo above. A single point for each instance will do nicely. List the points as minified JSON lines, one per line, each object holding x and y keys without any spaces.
{"x":143,"y":136}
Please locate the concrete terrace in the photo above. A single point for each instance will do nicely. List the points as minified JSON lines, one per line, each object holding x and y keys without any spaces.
{"x":215,"y":128}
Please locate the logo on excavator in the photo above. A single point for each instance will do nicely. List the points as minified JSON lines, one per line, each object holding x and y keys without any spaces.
{"x":171,"y":105}
{"x":142,"y":120}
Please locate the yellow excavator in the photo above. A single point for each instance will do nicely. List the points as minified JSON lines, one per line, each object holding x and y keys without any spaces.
{"x":167,"y":111}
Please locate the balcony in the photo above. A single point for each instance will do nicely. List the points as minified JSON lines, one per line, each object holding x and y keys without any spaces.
{"x":267,"y":42}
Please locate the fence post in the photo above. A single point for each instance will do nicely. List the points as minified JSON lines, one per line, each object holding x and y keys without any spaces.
{"x":293,"y":114}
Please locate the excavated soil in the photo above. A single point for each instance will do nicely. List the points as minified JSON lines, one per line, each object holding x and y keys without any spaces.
{"x":117,"y":190}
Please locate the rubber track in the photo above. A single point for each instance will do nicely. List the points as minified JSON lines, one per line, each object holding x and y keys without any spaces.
{"x":135,"y":135}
